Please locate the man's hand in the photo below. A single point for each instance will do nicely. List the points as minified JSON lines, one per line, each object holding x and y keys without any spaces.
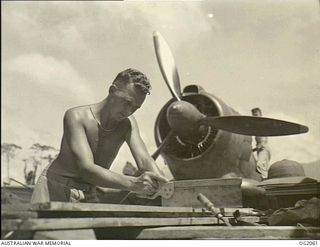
{"x":148,"y":183}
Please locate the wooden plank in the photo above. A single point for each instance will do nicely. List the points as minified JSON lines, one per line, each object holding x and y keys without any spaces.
{"x":102,"y":207}
{"x":83,"y":234}
{"x":66,"y":206}
{"x":220,"y":232}
{"x":84,"y":223}
{"x":62,"y":209}
{"x":10,"y":214}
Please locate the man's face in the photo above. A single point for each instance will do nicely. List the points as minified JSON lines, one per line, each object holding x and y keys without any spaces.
{"x":128,"y":99}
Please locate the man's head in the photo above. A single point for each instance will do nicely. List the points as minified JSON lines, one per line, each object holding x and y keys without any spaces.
{"x":129,"y":90}
{"x":140,"y":81}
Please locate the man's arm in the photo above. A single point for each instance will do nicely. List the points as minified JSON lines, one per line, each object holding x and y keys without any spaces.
{"x":77,"y":140}
{"x":139,"y":151}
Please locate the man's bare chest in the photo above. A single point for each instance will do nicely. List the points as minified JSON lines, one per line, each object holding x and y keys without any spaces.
{"x":105,"y":145}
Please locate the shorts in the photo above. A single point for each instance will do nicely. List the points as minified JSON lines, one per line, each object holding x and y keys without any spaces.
{"x":54,"y":187}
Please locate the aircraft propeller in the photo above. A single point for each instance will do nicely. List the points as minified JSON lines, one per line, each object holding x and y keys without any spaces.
{"x":184,"y":118}
{"x":167,"y":65}
{"x":254,"y":126}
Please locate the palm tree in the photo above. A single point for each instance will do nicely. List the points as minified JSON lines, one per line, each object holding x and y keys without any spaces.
{"x":38,"y":148}
{"x":10,"y":151}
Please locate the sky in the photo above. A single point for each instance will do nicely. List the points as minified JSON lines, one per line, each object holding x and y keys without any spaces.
{"x":57,"y":55}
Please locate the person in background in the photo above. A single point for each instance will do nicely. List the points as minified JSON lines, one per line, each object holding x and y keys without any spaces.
{"x":262,"y":149}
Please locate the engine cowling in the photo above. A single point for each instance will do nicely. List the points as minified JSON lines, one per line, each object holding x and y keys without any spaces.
{"x":208,"y":153}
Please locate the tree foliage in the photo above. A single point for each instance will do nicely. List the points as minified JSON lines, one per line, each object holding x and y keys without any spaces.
{"x":9,"y":149}
{"x":39,"y":147}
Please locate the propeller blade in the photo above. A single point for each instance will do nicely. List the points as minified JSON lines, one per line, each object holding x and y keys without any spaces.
{"x":167,"y":65}
{"x":164,"y":143}
{"x":254,"y":126}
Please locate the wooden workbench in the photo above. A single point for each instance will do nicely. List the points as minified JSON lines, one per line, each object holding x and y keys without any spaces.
{"x":57,"y":220}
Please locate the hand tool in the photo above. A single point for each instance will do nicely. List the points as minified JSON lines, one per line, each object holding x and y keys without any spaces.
{"x":209,"y":206}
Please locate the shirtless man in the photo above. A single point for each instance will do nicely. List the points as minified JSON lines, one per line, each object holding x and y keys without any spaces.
{"x":92,"y":137}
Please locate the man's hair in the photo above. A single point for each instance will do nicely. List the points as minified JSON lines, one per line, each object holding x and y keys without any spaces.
{"x":134,"y":76}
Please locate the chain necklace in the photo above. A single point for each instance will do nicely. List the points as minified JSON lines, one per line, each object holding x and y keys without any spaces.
{"x":99,"y":124}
